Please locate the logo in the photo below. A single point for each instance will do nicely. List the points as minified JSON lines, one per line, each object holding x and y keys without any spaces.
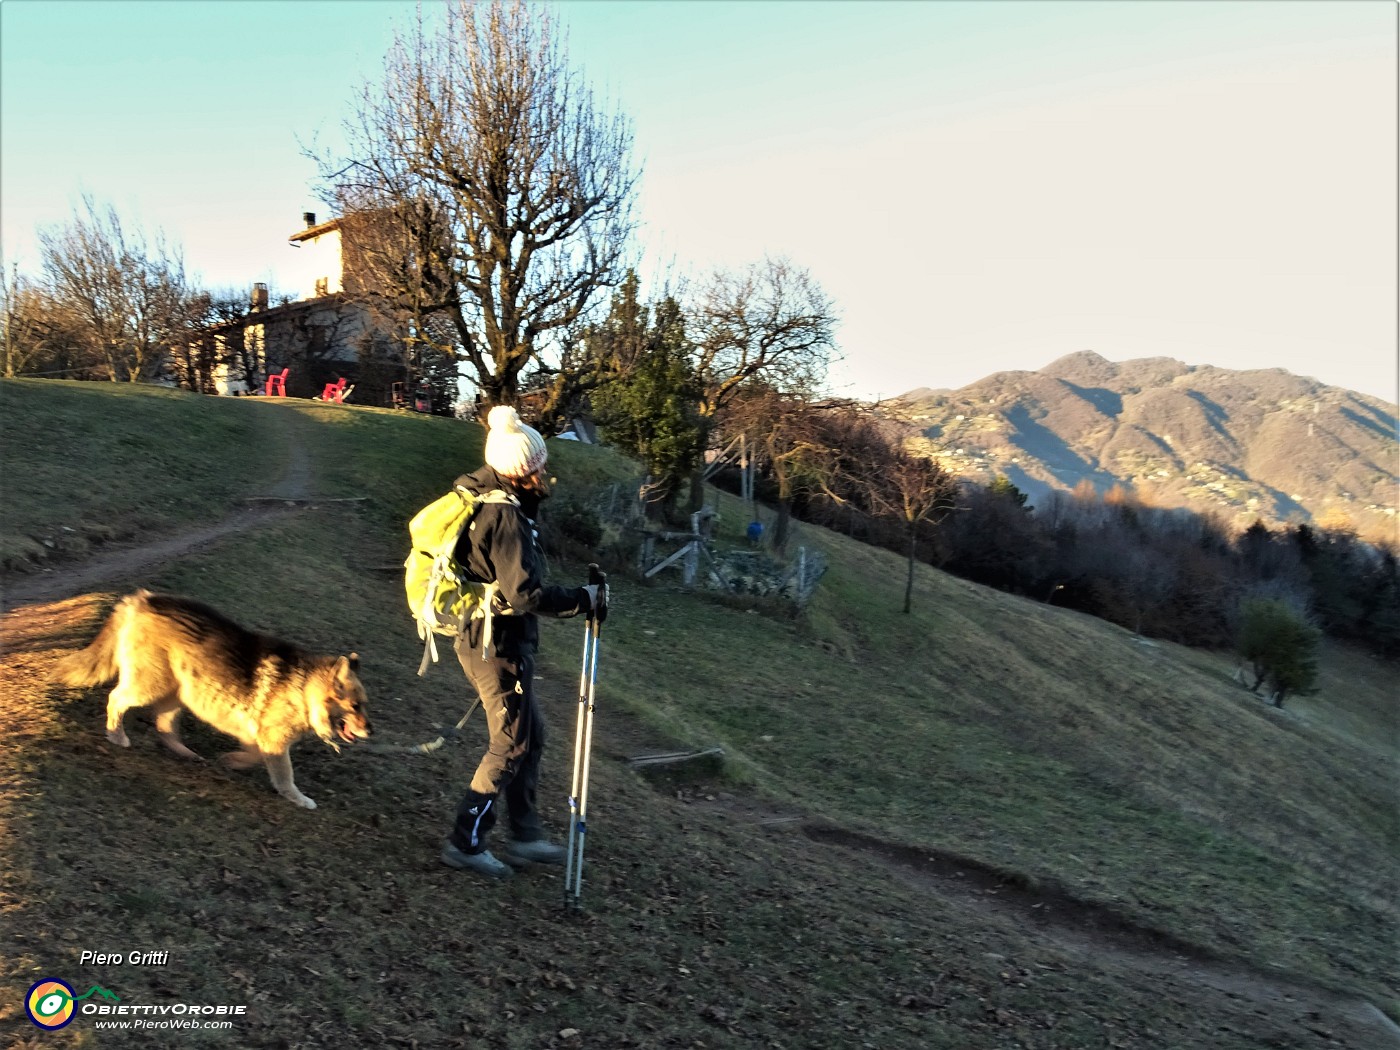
{"x":49,"y":1003}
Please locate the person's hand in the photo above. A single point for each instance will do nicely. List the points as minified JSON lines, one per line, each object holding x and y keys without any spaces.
{"x":597,"y":588}
{"x":597,"y":600}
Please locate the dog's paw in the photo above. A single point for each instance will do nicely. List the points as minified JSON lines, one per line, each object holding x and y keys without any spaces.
{"x":118,"y":737}
{"x":302,"y":801}
{"x":180,"y":749}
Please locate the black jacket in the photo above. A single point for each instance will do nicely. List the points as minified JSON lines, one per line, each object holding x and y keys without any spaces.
{"x":502,"y":544}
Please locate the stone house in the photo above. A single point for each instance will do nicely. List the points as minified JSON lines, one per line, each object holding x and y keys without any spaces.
{"x":323,"y":334}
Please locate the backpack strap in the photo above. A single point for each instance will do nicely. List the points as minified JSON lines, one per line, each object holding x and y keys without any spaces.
{"x":488,"y":598}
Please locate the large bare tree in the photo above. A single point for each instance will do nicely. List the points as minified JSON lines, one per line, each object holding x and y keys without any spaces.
{"x":506,"y":186}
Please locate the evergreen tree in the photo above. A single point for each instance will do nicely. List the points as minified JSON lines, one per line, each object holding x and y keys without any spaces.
{"x":650,"y":410}
{"x":1003,"y":488}
{"x":1281,"y":646}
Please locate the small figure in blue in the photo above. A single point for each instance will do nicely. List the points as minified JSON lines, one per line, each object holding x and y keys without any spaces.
{"x":754,"y":532}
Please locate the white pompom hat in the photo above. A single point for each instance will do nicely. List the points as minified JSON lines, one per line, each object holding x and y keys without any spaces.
{"x":513,"y":449}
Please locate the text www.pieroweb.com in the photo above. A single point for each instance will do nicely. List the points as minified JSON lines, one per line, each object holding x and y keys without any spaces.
{"x":187,"y":1018}
{"x":183,"y":1023}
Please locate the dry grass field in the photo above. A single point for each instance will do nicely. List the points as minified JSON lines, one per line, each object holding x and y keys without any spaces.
{"x":991,"y":823}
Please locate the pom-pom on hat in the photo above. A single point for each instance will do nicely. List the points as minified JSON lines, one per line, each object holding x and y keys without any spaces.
{"x":513,"y":449}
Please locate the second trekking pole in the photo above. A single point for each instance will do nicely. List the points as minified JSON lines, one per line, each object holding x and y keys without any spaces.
{"x":583,"y":741}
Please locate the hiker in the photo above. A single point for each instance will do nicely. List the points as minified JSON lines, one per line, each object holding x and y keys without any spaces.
{"x":502,"y":545}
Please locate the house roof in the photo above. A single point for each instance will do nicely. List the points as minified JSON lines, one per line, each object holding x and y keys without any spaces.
{"x":314,"y":231}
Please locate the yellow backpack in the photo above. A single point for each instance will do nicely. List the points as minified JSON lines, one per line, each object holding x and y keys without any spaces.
{"x":442,"y":597}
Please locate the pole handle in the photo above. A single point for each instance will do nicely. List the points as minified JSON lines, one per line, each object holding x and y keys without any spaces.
{"x":598,"y":578}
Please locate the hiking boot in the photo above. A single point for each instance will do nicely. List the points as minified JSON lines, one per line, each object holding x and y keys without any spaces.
{"x":482,"y":863}
{"x":538,"y":851}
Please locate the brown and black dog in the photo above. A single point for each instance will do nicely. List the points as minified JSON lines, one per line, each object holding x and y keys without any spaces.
{"x":171,"y":654}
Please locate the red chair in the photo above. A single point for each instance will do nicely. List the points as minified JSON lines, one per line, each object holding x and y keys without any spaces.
{"x":276,"y":384}
{"x":334,"y":391}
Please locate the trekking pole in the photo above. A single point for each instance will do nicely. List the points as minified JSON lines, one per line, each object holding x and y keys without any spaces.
{"x":583,"y":744}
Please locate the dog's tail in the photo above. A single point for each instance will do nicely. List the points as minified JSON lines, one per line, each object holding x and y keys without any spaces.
{"x":97,"y":664}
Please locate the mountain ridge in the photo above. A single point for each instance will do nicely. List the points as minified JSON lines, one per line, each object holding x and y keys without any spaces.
{"x":1259,"y":443}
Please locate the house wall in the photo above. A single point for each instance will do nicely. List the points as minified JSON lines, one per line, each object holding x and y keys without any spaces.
{"x":229,"y":382}
{"x":316,"y":259}
{"x":318,"y":340}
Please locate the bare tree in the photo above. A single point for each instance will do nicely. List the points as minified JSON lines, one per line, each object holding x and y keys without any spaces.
{"x":770,"y":321}
{"x":790,"y":437}
{"x":911,"y":489}
{"x":769,"y":324}
{"x":38,"y":333}
{"x":195,"y":358}
{"x":508,"y":187}
{"x":398,"y":266}
{"x":127,"y":295}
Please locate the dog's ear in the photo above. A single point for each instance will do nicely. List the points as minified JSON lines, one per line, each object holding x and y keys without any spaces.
{"x":345,"y":666}
{"x":354,"y":661}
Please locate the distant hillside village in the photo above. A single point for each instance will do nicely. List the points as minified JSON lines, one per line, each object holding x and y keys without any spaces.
{"x":1259,"y":444}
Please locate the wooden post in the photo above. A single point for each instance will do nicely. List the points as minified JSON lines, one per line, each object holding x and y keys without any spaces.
{"x":692,"y":562}
{"x":745,"y":484}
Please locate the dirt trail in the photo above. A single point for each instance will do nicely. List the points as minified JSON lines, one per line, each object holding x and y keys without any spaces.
{"x":1089,"y":932}
{"x":124,"y":563}
{"x":1086,"y":930}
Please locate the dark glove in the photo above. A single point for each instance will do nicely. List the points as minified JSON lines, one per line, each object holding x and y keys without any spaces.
{"x":597,"y":588}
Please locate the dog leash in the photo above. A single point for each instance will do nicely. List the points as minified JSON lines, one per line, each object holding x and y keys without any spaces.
{"x":451,"y":733}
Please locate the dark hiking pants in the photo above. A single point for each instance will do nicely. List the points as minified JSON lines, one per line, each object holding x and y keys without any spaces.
{"x":511,"y":765}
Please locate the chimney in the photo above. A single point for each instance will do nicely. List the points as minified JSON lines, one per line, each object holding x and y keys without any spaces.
{"x":259,"y":297}
{"x":310,"y":218}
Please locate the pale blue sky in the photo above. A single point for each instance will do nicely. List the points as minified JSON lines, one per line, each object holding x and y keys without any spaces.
{"x":978,"y":186}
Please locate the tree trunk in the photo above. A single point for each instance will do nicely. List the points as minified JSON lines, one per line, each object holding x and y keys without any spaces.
{"x":782,"y":526}
{"x":909,"y":581}
{"x":697,"y":489}
{"x":657,"y":500}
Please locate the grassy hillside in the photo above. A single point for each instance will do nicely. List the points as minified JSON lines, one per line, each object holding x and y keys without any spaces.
{"x":991,"y":823}
{"x":90,"y":463}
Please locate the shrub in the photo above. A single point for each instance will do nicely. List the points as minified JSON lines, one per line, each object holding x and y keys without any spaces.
{"x":570,"y":527}
{"x":1281,"y":646}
